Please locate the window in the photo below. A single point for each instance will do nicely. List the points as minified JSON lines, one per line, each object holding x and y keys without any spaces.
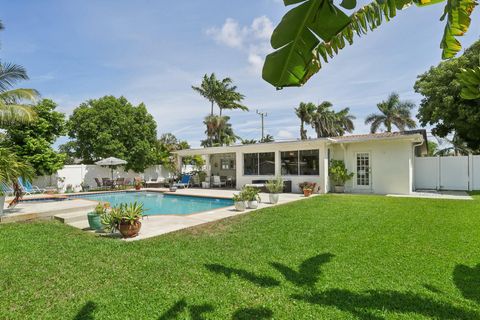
{"x":259,"y":164}
{"x":289,"y":161}
{"x":304,"y":162}
{"x":227,"y":164}
{"x":250,"y":164}
{"x":266,"y":163}
{"x":309,"y":163}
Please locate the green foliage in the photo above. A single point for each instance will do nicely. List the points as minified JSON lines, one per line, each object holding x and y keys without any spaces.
{"x":432,"y":148}
{"x":470,"y":81}
{"x":307,"y":186}
{"x":113,"y":127}
{"x":219,"y":132}
{"x":33,"y":141}
{"x":393,"y":112}
{"x":124,"y":213}
{"x":268,"y":138}
{"x":305,"y":113}
{"x":338,"y":173}
{"x":101,"y":208}
{"x":167,"y":144}
{"x":329,"y":123}
{"x":442,"y":105}
{"x":12,"y":168}
{"x":275,"y":186}
{"x":316,"y":29}
{"x":248,"y":194}
{"x":248,"y":141}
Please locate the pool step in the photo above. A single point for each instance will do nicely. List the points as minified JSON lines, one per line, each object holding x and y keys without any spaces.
{"x":71,"y":217}
{"x":83,"y":224}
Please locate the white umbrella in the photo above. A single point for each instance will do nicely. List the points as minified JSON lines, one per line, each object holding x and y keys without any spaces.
{"x":111,"y":162}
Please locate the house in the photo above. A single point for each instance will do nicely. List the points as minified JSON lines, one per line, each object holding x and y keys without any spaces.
{"x":382,"y":162}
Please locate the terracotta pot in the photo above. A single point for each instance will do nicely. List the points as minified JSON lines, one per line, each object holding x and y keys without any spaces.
{"x":307,"y":192}
{"x":129,"y":230}
{"x":138,"y":187}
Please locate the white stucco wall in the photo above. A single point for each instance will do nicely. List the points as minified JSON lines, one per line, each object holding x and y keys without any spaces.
{"x":391,"y":163}
{"x":76,"y":174}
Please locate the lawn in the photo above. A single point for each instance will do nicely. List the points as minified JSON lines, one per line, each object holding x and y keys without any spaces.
{"x":329,"y":257}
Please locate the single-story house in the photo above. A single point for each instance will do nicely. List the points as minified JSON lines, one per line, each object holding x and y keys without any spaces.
{"x":382,"y":163}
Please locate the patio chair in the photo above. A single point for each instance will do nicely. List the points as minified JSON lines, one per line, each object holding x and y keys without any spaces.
{"x":28,"y":188}
{"x":184,"y":183}
{"x":99,"y":184}
{"x":151,"y":182}
{"x":217,"y":182}
{"x":120,"y":182}
{"x":6,"y":189}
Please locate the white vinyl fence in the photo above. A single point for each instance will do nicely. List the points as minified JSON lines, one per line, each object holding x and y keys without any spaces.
{"x":75,"y":175}
{"x":447,"y":173}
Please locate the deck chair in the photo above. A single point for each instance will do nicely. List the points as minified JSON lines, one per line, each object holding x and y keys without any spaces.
{"x":217,"y":182}
{"x":28,"y":188}
{"x":184,"y":183}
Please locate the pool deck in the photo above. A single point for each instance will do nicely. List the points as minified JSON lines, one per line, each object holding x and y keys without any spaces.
{"x":74,"y":212}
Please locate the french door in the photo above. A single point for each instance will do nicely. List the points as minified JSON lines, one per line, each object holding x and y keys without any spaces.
{"x":363,"y":176}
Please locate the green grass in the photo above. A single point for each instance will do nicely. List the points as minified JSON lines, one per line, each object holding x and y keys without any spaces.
{"x":329,"y":257}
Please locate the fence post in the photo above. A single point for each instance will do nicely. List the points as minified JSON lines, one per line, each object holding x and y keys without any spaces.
{"x":439,"y":172}
{"x":470,"y":172}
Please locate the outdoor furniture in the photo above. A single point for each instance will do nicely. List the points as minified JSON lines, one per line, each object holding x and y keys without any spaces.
{"x":28,"y":188}
{"x":184,"y":183}
{"x":99,"y":184}
{"x":120,"y":182}
{"x":217,"y":182}
{"x":107,"y":182}
{"x":155,"y":182}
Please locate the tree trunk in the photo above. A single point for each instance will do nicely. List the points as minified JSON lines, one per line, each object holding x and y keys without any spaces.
{"x":211,"y":111}
{"x":302,"y":131}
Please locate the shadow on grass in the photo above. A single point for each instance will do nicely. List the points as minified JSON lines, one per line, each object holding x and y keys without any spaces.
{"x":196,"y":311}
{"x":262,"y":281}
{"x":362,"y":305}
{"x":86,"y":313}
{"x":467,"y":280}
{"x":252,"y":313}
{"x":308,"y":271}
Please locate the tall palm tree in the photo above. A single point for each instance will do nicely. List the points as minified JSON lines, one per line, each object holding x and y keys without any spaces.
{"x":328,"y":123}
{"x":219,"y":131}
{"x":210,"y":89}
{"x":305,"y":113}
{"x":230,"y":98}
{"x":393,"y":112}
{"x":345,"y":122}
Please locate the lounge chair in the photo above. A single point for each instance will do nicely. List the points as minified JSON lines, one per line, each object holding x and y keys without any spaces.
{"x":217,"y":182}
{"x":99,"y":184}
{"x":155,"y":182}
{"x":6,"y":189}
{"x":28,"y":188}
{"x":184,"y":183}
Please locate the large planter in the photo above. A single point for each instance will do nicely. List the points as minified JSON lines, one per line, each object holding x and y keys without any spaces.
{"x":95,"y":221}
{"x":240,"y":205}
{"x":129,"y":230}
{"x":339,"y":189}
{"x":273,"y":197}
{"x":253,"y":204}
{"x":138,"y":187}
{"x":307,"y":192}
{"x":2,"y":203}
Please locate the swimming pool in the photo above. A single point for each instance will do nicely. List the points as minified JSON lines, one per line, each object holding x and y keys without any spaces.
{"x":159,"y":203}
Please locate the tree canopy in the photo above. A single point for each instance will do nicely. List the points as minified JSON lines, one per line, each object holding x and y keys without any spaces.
{"x":442,"y":105}
{"x":393,"y":112}
{"x":33,"y":141}
{"x":113,"y":127}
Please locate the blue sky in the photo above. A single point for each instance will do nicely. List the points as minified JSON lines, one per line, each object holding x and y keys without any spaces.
{"x":153,"y":51}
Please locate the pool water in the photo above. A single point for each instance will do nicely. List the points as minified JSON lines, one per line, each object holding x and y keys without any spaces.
{"x":157,"y":203}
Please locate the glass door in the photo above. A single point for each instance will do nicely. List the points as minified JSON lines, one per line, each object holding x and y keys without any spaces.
{"x":363,"y":177}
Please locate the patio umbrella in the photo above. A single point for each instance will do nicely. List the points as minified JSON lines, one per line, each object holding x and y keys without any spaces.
{"x":111,"y":162}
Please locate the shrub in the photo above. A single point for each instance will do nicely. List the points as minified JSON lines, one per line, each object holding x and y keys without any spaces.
{"x":338,"y":173}
{"x":275,"y":186}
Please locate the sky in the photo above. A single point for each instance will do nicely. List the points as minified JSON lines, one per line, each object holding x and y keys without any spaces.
{"x":154,"y":51}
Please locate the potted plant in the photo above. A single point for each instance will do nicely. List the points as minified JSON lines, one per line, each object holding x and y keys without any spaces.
{"x":339,"y":175}
{"x":69,"y":188}
{"x":85,"y":187}
{"x":307,"y":188}
{"x":274,"y":187}
{"x":138,"y":184}
{"x":252,"y":196}
{"x":95,"y":217}
{"x":11,"y":169}
{"x":125,"y":218}
{"x":240,"y":202}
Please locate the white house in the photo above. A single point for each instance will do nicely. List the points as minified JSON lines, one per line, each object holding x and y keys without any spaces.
{"x":382,"y":162}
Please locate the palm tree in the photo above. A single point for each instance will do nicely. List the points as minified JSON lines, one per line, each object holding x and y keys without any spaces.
{"x":11,"y":107}
{"x":11,"y":169}
{"x":305,"y":113}
{"x":210,"y":89}
{"x":393,"y":112}
{"x":328,"y":123}
{"x":219,"y":131}
{"x":345,"y":122}
{"x":230,"y":98}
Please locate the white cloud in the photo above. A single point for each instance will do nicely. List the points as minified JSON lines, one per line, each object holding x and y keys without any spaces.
{"x":284,"y":135}
{"x":253,"y":39}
